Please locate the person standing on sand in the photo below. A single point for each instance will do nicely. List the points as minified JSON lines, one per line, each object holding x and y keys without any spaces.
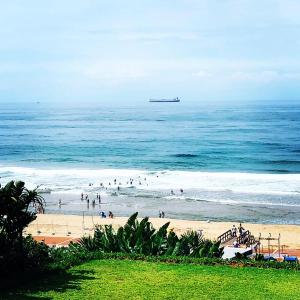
{"x":233,"y":231}
{"x":241,"y":229}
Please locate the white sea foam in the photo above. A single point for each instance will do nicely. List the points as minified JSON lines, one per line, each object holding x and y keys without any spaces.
{"x":230,"y":201}
{"x":77,"y":180}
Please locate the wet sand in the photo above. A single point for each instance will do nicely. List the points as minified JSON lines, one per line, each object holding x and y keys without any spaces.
{"x":76,"y":226}
{"x":148,"y":203}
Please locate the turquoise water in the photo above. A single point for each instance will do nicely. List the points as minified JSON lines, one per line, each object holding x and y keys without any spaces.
{"x":233,"y":163}
{"x":155,"y":136}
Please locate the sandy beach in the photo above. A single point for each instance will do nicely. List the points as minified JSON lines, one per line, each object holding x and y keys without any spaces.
{"x":77,"y":226}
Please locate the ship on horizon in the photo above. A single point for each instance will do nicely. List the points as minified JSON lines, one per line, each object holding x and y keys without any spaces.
{"x":165,"y":100}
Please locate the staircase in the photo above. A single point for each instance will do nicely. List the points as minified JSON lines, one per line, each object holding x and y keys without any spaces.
{"x":225,"y":237}
{"x":245,"y":239}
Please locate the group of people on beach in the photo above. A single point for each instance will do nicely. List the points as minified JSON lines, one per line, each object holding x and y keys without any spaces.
{"x":234,"y":233}
{"x":130,"y":182}
{"x":103,"y":215}
{"x":172,"y":192}
{"x":86,"y":198}
{"x":161,"y":214}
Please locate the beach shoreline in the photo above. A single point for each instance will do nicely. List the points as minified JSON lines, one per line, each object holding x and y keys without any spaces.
{"x":74,"y":226}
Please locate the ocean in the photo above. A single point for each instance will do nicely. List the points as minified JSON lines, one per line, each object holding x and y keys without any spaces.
{"x":233,"y":163}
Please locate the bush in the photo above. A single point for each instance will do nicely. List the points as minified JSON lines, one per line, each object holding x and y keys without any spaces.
{"x":141,"y":238}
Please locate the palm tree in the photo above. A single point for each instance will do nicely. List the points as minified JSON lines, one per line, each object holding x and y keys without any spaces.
{"x":18,"y":207}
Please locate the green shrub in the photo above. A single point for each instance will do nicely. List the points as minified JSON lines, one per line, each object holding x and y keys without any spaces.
{"x":141,"y":238}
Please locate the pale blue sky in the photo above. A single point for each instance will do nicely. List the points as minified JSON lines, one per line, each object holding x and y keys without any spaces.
{"x":130,"y":51}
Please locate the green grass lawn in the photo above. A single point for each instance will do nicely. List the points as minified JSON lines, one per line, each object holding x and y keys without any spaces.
{"x":125,"y":279}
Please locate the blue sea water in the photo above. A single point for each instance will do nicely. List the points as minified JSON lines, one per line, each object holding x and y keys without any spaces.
{"x":234,"y":163}
{"x":156,"y":136}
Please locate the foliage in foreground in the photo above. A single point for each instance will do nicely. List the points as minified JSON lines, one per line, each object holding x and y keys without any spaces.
{"x":141,"y":238}
{"x":128,"y":279}
{"x":16,"y":213}
{"x":64,"y":258}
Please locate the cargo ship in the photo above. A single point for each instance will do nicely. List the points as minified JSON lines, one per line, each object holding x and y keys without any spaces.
{"x":165,"y":100}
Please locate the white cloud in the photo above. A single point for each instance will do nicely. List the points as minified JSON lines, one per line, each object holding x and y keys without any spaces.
{"x":264,"y":76}
{"x":156,"y":36}
{"x":203,"y":74}
{"x":109,"y":72}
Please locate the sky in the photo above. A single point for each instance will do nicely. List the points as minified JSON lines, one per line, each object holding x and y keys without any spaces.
{"x":130,"y":51}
